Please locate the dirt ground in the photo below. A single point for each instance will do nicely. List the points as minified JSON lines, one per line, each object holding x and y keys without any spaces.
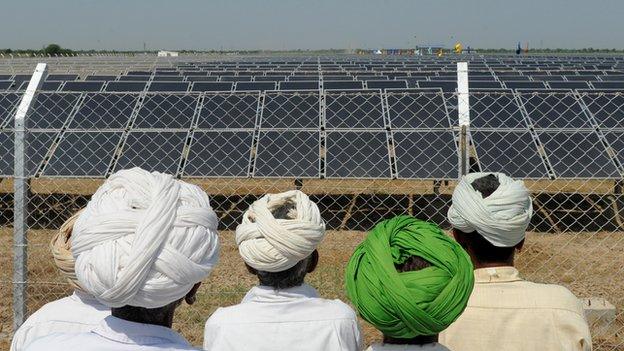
{"x":590,"y":264}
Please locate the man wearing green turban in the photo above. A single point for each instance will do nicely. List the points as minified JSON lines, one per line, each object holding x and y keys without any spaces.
{"x":409,"y":280}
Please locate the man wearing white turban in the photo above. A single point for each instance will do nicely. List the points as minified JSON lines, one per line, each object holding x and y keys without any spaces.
{"x":277,"y":239}
{"x":142,"y":245}
{"x":79,"y":312}
{"x":490,"y":214}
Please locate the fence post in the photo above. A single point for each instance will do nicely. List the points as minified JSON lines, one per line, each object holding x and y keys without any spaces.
{"x":20,"y":197}
{"x":463,"y":111}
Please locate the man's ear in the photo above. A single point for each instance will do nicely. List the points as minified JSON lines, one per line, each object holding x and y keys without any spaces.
{"x":251,"y":270}
{"x":519,"y":246}
{"x":190,"y":296}
{"x":314,"y":259}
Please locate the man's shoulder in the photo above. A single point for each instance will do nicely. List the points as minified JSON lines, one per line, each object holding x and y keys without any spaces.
{"x":536,"y":295}
{"x":313,"y":308}
{"x":59,"y":341}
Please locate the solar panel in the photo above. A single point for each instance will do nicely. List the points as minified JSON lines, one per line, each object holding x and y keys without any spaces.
{"x":269,"y":78}
{"x":153,"y":151}
{"x":61,"y":77}
{"x":83,"y":154}
{"x":446,"y":86}
{"x":202,"y":78}
{"x":299,"y":109}
{"x":166,"y":111}
{"x":37,"y":146}
{"x":5,"y":76}
{"x":6,"y":84}
{"x":81,"y":86}
{"x":104,"y":111}
{"x":616,"y":141}
{"x":475,"y":84}
{"x":417,"y":109}
{"x":168,"y":86}
{"x":524,"y":85}
{"x":554,"y":109}
{"x":100,"y":78}
{"x":219,"y":154}
{"x":357,"y":109}
{"x":125,"y":86}
{"x":288,"y":154}
{"x":229,"y":111}
{"x":305,"y":85}
{"x":609,"y":85}
{"x":606,"y":107}
{"x":386,"y":84}
{"x":134,"y":78}
{"x":236,"y":78}
{"x":425,"y":154}
{"x":357,"y":155}
{"x":212,"y":86}
{"x":255,"y":86}
{"x":8,"y":104}
{"x":512,"y":152}
{"x":577,"y":155}
{"x":343,"y":84}
{"x":168,"y":78}
{"x":568,"y":85}
{"x":495,"y":109}
{"x":51,"y":110}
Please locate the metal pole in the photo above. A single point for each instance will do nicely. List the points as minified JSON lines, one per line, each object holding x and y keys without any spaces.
{"x":20,"y":198}
{"x":463,"y":111}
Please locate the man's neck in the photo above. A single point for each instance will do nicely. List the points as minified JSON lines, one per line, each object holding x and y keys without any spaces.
{"x":419,"y":340}
{"x":162,"y":316}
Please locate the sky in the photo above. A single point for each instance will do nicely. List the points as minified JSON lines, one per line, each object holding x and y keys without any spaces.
{"x":309,"y":24}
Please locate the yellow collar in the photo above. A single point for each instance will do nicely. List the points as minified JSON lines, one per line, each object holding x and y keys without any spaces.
{"x":496,"y":275}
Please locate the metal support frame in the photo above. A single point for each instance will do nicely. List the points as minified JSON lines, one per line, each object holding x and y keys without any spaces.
{"x":20,"y":201}
{"x":463,"y":111}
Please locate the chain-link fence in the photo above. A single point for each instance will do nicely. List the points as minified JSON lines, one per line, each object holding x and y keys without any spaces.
{"x":362,"y":155}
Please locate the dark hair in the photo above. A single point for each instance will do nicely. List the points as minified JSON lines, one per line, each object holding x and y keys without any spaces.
{"x":289,"y":278}
{"x":483,"y":249}
{"x":295,"y":275}
{"x":414,"y":263}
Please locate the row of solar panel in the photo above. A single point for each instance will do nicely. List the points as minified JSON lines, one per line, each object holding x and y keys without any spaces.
{"x":201,"y":86}
{"x":396,"y":109}
{"x":349,"y":154}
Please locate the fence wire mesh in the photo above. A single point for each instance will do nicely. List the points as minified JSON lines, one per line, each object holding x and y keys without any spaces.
{"x":361,"y":155}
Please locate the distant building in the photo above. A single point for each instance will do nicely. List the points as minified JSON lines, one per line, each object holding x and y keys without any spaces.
{"x":163,"y":53}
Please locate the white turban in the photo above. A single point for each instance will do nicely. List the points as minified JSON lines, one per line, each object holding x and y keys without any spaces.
{"x":501,"y":218}
{"x":144,"y":240}
{"x":274,"y":245}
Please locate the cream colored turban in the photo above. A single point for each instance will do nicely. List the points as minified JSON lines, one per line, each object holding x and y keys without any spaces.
{"x":144,"y":240}
{"x":274,"y":245}
{"x":502,"y":218}
{"x":61,"y":251}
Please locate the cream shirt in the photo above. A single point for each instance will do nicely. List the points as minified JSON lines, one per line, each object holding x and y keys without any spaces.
{"x":115,"y":334}
{"x":77,"y":313}
{"x":394,"y":347}
{"x":289,"y":319}
{"x":507,"y":313}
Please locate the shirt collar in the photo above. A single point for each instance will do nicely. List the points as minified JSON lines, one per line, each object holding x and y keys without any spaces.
{"x":263,"y":293}
{"x":127,"y":332}
{"x":501,"y":274}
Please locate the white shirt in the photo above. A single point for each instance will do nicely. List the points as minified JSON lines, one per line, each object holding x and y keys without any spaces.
{"x":289,"y":319}
{"x":395,"y":347}
{"x":507,"y":313}
{"x":115,"y":334}
{"x":77,"y":313}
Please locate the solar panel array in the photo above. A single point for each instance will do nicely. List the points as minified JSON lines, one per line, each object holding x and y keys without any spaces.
{"x":531,"y":118}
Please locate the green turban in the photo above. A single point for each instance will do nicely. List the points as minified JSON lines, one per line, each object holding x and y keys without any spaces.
{"x":408,"y":304}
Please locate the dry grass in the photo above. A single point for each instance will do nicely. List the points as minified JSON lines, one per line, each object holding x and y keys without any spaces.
{"x":589,"y":264}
